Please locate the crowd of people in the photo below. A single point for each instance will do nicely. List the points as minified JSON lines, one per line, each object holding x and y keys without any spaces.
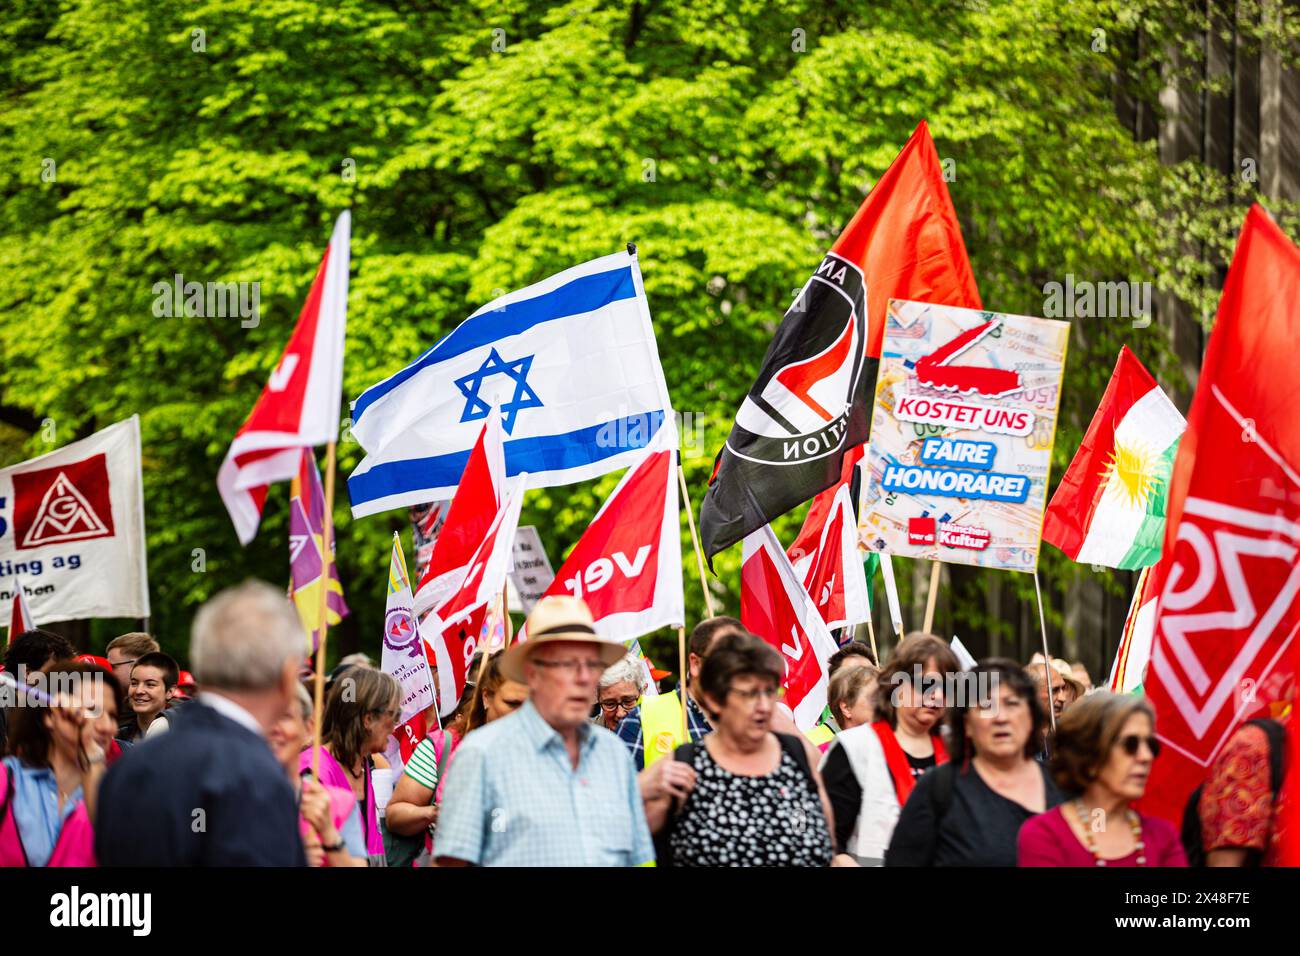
{"x":562,"y":752}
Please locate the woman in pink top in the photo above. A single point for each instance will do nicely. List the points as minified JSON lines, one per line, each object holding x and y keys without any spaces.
{"x":49,"y":784}
{"x":361,"y":713}
{"x":1104,"y":748}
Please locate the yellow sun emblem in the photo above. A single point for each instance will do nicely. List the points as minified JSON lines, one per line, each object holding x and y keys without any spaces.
{"x":1130,"y":473}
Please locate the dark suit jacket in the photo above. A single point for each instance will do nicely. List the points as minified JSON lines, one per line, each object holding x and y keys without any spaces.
{"x":209,"y":792}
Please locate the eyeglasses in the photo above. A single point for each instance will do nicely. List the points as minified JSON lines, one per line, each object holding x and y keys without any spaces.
{"x":574,"y":666}
{"x":1133,"y":741}
{"x":767,"y":693}
{"x":625,"y":703}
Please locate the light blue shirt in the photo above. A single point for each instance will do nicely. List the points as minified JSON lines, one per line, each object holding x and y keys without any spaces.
{"x":513,"y":798}
{"x":354,"y":840}
{"x":36,"y":809}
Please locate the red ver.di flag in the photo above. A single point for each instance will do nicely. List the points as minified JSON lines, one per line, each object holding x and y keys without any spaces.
{"x":458,"y":620}
{"x":775,"y":606}
{"x":627,"y":565}
{"x":1228,"y":609}
{"x":72,"y":528}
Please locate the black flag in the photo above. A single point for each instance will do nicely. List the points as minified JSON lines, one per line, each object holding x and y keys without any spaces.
{"x":810,"y":404}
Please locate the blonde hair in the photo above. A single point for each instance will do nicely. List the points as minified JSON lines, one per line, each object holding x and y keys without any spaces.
{"x":847,"y":684}
{"x":136,"y":643}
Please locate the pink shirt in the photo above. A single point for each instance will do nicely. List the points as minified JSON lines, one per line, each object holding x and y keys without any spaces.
{"x":1047,"y":840}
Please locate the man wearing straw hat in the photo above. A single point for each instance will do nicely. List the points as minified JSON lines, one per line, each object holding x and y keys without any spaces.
{"x":544,"y":786}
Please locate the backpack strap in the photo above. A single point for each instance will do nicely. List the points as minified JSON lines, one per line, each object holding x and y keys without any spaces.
{"x":663,"y":848}
{"x":941,"y":793}
{"x":794,"y":747}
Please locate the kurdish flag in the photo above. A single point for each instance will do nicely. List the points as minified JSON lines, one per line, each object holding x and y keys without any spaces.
{"x":1110,"y":506}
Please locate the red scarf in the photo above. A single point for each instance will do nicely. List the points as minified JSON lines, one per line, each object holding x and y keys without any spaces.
{"x":896,"y":759}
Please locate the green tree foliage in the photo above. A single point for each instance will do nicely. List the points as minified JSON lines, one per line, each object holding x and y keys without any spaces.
{"x":482,"y":146}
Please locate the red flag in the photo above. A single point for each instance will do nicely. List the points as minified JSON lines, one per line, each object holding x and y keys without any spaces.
{"x":825,"y":554}
{"x":1289,"y":807}
{"x":1228,"y":613}
{"x":299,"y":407}
{"x":774,"y":605}
{"x":907,"y":238}
{"x":459,"y":619}
{"x":20,"y":617}
{"x":475,"y":504}
{"x":627,"y":565}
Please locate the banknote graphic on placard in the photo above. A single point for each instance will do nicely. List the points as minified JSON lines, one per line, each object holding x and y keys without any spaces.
{"x":961,"y":435}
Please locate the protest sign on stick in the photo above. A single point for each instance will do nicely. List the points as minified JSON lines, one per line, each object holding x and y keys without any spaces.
{"x":961,"y":438}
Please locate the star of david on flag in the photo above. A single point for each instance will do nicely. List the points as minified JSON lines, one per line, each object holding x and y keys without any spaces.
{"x":476,"y":409}
{"x":571,"y":364}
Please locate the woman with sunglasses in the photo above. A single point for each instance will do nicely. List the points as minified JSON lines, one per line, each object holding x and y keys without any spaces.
{"x":871,"y":769}
{"x":1104,"y":748}
{"x":361,"y":712}
{"x":969,"y":811}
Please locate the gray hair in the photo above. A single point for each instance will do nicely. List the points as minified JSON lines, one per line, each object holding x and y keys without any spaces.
{"x":624,"y":669}
{"x":305,"y":702}
{"x":243,"y":637}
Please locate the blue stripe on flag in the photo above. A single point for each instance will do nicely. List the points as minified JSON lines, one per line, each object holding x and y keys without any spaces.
{"x":584,"y":294}
{"x":540,"y":454}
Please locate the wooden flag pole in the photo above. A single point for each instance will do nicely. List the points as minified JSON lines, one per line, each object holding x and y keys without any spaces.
{"x":505,"y":610}
{"x":1047,"y":667}
{"x":871,"y":632}
{"x":932,"y":597}
{"x":699,"y":554}
{"x":681,"y":662}
{"x":327,"y":527}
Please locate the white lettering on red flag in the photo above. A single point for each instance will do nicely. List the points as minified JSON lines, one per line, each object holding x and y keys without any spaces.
{"x":299,"y":407}
{"x":775,"y":606}
{"x":627,"y":565}
{"x":1229,"y":580}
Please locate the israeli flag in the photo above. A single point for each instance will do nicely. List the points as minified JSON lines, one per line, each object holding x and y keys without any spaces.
{"x":570,"y":362}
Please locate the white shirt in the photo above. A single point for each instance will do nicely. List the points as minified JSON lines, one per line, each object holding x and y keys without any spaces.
{"x":157,"y":726}
{"x":228,"y":708}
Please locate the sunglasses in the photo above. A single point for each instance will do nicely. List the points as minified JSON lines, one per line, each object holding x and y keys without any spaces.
{"x":1131,"y":743}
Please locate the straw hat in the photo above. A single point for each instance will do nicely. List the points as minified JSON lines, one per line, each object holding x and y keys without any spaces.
{"x":559,"y":617}
{"x":1062,"y":668}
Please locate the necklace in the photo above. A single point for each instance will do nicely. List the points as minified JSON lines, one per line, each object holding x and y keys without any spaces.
{"x":1134,"y":821}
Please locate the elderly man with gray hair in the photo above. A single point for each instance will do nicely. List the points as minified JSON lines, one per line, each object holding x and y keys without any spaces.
{"x":619,"y":690}
{"x":210,"y":792}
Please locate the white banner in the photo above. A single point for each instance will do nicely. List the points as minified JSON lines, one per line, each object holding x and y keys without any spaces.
{"x":72,"y":530}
